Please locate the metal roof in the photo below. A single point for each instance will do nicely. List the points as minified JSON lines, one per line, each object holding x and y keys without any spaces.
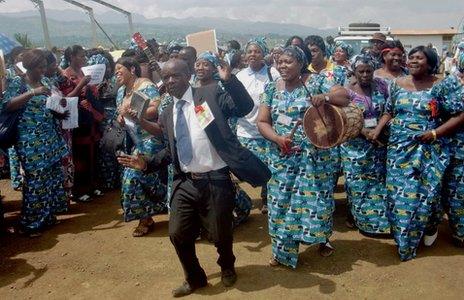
{"x":446,"y":31}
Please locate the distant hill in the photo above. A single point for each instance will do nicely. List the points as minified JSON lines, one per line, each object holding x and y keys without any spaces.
{"x":73,"y":27}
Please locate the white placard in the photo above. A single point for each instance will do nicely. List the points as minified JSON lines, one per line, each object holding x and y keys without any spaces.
{"x":54,"y":103}
{"x":73,"y":120}
{"x":97,"y":72}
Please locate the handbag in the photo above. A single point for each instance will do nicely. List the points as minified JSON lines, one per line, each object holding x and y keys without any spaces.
{"x":9,"y":128}
{"x":113,"y":137}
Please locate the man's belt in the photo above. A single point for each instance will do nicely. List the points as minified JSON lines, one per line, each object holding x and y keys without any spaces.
{"x":221,"y":174}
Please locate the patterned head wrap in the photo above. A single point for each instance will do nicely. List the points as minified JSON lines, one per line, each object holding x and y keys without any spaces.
{"x":362,"y":59}
{"x":345,"y":47}
{"x":261,"y":43}
{"x":133,"y":45}
{"x":229,"y":55}
{"x":64,"y":63}
{"x":209,"y":56}
{"x":460,"y":62}
{"x":98,"y":59}
{"x":297,"y":53}
{"x":461,"y":46}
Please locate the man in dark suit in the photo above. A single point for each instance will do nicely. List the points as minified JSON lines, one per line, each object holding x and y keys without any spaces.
{"x":204,"y":152}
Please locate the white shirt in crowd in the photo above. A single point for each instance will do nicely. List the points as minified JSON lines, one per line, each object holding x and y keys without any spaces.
{"x":254,"y":83}
{"x":205,"y":157}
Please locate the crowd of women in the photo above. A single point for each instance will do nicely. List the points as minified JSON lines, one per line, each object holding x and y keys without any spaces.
{"x":403,"y":173}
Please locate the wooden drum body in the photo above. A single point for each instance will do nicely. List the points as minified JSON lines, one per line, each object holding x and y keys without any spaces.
{"x":328,"y":125}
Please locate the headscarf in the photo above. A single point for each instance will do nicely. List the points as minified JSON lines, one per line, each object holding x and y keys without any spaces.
{"x":229,"y":55}
{"x":460,"y":62}
{"x":297,"y":53}
{"x":209,"y":56}
{"x":345,"y":47}
{"x":261,"y":43}
{"x":362,"y":59}
{"x":174,"y":46}
{"x":64,"y":63}
{"x":98,"y":59}
{"x":461,"y":46}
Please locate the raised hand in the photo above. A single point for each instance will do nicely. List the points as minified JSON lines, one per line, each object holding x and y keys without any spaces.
{"x":224,"y":70}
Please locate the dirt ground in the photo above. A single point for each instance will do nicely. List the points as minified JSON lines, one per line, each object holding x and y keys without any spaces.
{"x":92,"y":255}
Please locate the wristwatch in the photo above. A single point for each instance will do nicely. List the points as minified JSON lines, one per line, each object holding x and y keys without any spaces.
{"x":327,"y":98}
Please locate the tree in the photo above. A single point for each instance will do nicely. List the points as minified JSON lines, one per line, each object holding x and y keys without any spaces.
{"x":23,"y":39}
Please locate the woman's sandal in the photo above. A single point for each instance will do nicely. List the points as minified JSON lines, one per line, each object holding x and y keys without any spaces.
{"x":143,"y":229}
{"x":98,"y":193}
{"x":274,"y":262}
{"x":29,"y":234}
{"x":326,"y":249}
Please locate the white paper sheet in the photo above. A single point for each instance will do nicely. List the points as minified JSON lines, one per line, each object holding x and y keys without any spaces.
{"x":21,"y":67}
{"x":97,"y":72}
{"x":73,"y":120}
{"x":53,"y":103}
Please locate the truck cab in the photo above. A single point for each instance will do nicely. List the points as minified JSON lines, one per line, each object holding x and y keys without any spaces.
{"x":358,"y":34}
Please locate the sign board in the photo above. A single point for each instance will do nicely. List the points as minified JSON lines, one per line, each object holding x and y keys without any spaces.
{"x":97,"y":72}
{"x":203,"y":41}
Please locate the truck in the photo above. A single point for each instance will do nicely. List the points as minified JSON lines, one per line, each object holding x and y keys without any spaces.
{"x":359,"y":34}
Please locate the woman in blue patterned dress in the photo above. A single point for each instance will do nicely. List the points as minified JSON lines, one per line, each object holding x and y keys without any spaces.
{"x":323,"y":75}
{"x":363,"y":160}
{"x":40,"y":146}
{"x":14,"y":57}
{"x":417,"y":153}
{"x":300,"y":192}
{"x":453,"y":190}
{"x":143,"y":195}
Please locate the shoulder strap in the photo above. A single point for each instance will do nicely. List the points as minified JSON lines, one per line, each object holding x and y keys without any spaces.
{"x":269,"y":74}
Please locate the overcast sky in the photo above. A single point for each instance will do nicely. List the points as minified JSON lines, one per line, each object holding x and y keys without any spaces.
{"x":316,"y":13}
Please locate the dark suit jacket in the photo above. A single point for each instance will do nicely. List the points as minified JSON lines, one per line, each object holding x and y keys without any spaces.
{"x":232,"y":101}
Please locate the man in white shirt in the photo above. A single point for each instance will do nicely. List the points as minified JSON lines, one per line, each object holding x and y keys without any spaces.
{"x":254,"y":78}
{"x":204,"y":152}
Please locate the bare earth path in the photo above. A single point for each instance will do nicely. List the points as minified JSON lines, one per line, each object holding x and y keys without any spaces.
{"x":92,"y":255}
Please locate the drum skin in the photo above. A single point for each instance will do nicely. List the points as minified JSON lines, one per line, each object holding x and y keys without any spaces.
{"x":329,"y":126}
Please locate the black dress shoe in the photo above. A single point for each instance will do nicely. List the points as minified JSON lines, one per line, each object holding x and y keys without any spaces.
{"x":228,"y":277}
{"x":186,"y":289}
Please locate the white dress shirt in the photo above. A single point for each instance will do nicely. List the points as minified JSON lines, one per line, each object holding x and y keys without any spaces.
{"x":205,"y":157}
{"x":254,"y":83}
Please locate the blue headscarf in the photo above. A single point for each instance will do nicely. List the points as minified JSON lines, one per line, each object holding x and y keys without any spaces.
{"x":461,"y":46}
{"x":297,"y":53}
{"x":360,"y":59}
{"x":460,"y":62}
{"x":64,"y":63}
{"x":260,"y":42}
{"x":98,"y":59}
{"x":209,"y":56}
{"x":345,"y":47}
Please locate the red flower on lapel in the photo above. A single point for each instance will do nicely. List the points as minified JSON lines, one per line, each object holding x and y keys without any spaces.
{"x":433,"y":105}
{"x":199,"y":109}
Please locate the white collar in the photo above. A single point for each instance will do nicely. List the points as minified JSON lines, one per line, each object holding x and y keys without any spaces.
{"x":261,"y":71}
{"x":187,"y":97}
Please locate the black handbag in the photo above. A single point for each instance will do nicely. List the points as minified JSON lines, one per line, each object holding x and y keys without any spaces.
{"x":9,"y":128}
{"x":113,"y":137}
